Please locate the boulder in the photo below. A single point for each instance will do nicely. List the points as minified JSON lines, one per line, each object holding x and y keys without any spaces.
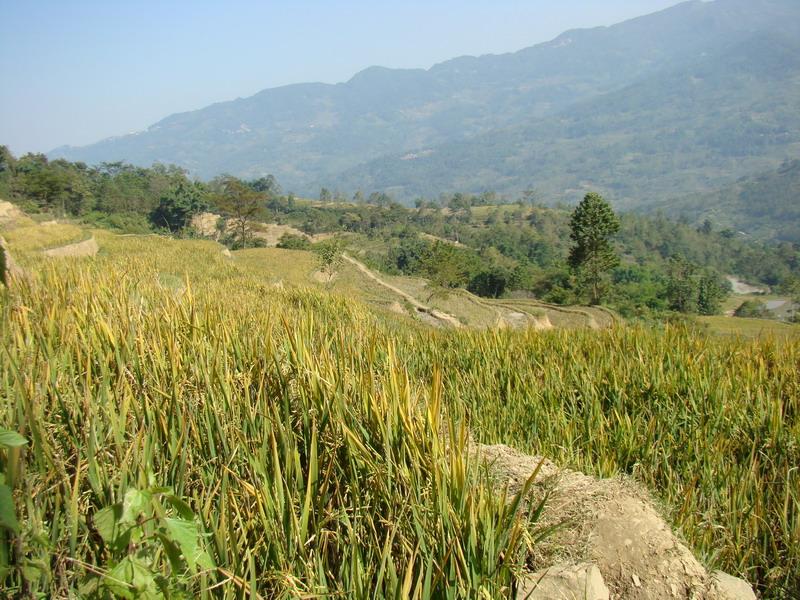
{"x":581,"y":581}
{"x":728,"y":587}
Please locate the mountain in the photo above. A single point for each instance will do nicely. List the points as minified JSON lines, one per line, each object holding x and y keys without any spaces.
{"x":765,"y":206}
{"x":503,"y":121}
{"x":686,"y":128}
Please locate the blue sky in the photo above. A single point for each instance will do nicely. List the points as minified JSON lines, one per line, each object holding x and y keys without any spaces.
{"x":74,"y":72}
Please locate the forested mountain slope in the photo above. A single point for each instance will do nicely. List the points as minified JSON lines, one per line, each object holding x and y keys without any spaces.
{"x":765,"y":206}
{"x":686,"y":128}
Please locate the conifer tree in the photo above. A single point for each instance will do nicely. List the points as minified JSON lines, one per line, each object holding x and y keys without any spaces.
{"x":592,"y":225}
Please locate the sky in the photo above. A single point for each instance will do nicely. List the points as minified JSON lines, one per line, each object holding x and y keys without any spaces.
{"x":74,"y":72}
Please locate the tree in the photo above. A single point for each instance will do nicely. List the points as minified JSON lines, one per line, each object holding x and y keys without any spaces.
{"x":177,"y":207}
{"x":711,"y":291}
{"x":241,"y":203}
{"x":325,"y":195}
{"x":267,"y":185}
{"x":530,"y":196}
{"x":329,"y":254}
{"x":444,"y":267}
{"x":707,"y":228}
{"x":682,"y":285}
{"x":592,"y":225}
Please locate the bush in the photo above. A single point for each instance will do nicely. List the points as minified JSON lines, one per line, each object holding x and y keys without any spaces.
{"x":752,"y":309}
{"x":122,"y":222}
{"x":291,"y":241}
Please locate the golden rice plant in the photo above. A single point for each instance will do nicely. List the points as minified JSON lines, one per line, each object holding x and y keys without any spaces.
{"x":282,"y":420}
{"x":324,"y":448}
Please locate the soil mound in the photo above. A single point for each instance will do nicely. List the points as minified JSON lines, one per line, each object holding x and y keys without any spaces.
{"x":610,"y":525}
{"x":8,"y":268}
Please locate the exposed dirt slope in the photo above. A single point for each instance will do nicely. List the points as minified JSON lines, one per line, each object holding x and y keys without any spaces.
{"x":610,"y":524}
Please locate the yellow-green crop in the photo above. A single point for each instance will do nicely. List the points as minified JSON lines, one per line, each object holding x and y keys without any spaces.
{"x":324,"y":447}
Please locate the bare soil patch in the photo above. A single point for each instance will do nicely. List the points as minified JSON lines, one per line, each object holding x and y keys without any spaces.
{"x":609,"y":523}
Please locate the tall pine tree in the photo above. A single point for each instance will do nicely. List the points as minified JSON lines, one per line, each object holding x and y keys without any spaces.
{"x":592,"y":225}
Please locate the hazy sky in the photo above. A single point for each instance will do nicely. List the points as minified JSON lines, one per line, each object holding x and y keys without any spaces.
{"x":73,"y":72}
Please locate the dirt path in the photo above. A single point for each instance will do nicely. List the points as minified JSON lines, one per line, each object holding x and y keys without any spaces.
{"x":740,"y":288}
{"x":442,"y":317}
{"x":85,"y":248}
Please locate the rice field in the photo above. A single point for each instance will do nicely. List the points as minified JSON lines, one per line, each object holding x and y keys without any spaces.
{"x":194,"y":430}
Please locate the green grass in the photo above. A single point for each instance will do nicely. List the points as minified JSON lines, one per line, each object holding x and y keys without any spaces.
{"x":302,"y":268}
{"x":324,"y":446}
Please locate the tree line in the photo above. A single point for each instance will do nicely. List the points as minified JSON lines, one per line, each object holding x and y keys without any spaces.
{"x":641,"y":265}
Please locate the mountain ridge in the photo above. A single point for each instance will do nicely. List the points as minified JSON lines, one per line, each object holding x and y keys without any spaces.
{"x":314,"y":134}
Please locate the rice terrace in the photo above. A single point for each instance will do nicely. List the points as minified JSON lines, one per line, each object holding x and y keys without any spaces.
{"x":523,"y":325}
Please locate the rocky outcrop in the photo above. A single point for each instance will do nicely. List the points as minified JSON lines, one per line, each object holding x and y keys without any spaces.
{"x":207,"y":224}
{"x":611,"y":535}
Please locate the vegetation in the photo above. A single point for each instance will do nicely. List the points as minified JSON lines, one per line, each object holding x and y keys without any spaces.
{"x":176,"y":208}
{"x":283,"y":419}
{"x":763,"y":206}
{"x":592,"y":225}
{"x":241,"y":204}
{"x":457,"y":240}
{"x":267,"y":410}
{"x":330,"y":258}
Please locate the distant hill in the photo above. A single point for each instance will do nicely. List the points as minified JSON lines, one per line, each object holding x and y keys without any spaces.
{"x":559,"y":116}
{"x":765,"y":206}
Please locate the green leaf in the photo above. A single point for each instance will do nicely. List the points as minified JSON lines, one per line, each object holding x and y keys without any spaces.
{"x":173,"y":553}
{"x":8,"y":517}
{"x":186,"y":535}
{"x":106,"y":521}
{"x":135,"y":503}
{"x":133,"y":579}
{"x":119,"y":581}
{"x":184,"y":510}
{"x":11,"y":439}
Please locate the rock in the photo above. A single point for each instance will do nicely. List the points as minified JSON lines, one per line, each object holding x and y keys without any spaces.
{"x":729,"y":587}
{"x":581,"y":581}
{"x":206,"y":224}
